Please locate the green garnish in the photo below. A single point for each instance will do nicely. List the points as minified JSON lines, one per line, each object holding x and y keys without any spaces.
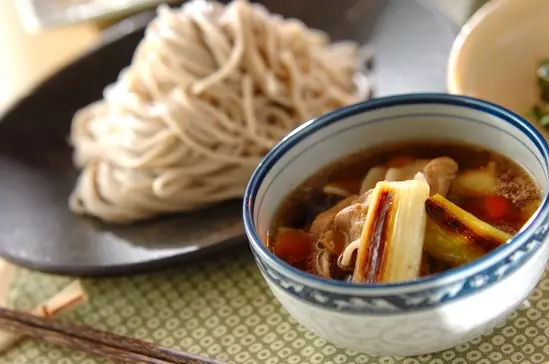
{"x":543,"y":80}
{"x":534,"y":113}
{"x":544,"y":121}
{"x":540,"y":112}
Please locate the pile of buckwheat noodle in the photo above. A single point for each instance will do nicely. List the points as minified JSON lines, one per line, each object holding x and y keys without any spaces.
{"x":211,"y":88}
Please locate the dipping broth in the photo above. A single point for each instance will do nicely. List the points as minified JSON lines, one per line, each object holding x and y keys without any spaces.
{"x":401,"y":212}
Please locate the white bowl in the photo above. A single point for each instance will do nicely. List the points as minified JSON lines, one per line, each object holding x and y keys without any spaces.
{"x":430,"y":314}
{"x":496,"y":54}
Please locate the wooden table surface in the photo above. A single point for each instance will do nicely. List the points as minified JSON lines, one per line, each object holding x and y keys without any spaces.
{"x":28,"y":58}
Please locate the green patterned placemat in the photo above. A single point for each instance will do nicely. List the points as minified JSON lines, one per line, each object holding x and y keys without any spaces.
{"x":222,"y":308}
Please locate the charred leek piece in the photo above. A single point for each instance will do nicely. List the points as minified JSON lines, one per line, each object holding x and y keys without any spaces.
{"x":391,"y":243}
{"x":455,"y":236}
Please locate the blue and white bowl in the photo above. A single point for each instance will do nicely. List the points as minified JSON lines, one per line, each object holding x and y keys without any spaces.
{"x":430,"y":314}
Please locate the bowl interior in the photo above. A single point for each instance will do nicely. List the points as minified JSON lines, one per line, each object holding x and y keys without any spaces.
{"x":495,"y":56}
{"x":389,"y":120}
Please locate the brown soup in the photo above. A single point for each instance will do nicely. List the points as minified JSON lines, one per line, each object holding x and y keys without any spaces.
{"x":476,"y":199}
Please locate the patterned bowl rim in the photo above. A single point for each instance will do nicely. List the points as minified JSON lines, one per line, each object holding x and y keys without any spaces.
{"x":541,"y":216}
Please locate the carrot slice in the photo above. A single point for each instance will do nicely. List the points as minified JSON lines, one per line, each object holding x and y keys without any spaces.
{"x":497,"y":207}
{"x":293,"y":245}
{"x":491,"y":208}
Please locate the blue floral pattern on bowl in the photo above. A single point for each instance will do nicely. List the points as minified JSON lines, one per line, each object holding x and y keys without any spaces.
{"x":397,"y":303}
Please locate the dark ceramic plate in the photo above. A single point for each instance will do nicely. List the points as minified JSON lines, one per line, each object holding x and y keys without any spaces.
{"x":38,"y":231}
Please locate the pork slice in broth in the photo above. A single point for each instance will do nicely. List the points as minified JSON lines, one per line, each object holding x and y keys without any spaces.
{"x":334,"y":228}
{"x":324,"y":221}
{"x":440,"y":173}
{"x":341,"y":224}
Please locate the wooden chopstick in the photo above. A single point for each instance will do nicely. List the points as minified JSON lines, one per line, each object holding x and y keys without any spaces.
{"x":114,"y":347}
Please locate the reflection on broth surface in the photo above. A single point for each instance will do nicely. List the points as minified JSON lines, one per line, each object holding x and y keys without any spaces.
{"x":399,"y":212}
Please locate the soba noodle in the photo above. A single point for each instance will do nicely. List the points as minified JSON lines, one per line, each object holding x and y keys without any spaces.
{"x":210,"y":90}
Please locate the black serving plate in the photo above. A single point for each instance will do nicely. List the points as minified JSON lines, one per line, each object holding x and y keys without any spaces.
{"x":37,"y":230}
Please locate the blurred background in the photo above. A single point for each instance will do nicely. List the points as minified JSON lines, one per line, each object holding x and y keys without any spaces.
{"x":39,"y":36}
